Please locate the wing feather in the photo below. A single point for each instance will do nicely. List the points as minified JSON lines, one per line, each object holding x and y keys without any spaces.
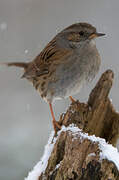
{"x":52,"y":53}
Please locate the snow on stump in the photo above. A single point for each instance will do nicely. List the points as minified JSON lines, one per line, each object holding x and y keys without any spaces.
{"x":84,"y":148}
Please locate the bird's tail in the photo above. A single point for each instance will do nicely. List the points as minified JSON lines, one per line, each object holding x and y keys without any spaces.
{"x":18,"y":64}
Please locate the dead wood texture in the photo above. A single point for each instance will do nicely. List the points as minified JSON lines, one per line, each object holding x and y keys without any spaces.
{"x":74,"y":159}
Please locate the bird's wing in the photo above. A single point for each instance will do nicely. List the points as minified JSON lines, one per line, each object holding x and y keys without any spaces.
{"x":51,"y":54}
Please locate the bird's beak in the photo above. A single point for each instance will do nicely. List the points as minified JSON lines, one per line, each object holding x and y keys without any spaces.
{"x":94,"y":35}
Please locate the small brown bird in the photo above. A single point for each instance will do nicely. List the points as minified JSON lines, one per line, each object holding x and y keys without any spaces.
{"x":68,"y":61}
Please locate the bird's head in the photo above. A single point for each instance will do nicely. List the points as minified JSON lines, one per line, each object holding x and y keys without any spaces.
{"x":80,"y":32}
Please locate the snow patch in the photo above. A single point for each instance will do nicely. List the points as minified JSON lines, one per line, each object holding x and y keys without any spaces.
{"x":110,"y":100}
{"x":42,"y":164}
{"x":91,"y":154}
{"x":107,"y":150}
{"x":57,"y":30}
{"x":57,"y":166}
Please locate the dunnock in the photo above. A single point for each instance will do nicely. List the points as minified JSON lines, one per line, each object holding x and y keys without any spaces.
{"x":68,"y":61}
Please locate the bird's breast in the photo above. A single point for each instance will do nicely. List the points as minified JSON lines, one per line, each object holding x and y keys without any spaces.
{"x":70,"y":75}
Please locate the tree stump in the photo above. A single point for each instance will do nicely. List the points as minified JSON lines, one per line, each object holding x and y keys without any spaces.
{"x":79,"y":155}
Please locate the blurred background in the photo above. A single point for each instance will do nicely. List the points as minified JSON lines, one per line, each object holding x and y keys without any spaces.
{"x":26,"y":26}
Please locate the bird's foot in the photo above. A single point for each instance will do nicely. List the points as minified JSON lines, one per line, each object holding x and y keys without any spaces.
{"x":72,"y":99}
{"x":55,"y":123}
{"x":56,"y":126}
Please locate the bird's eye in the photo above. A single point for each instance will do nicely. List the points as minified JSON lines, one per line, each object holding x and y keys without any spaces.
{"x":81,"y":33}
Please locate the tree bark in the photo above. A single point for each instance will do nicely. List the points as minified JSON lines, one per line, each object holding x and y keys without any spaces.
{"x":75,"y":159}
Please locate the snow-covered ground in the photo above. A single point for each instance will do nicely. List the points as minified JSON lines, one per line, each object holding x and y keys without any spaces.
{"x":107,"y":150}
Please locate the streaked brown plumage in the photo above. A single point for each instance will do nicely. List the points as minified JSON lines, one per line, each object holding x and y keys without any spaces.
{"x":63,"y":66}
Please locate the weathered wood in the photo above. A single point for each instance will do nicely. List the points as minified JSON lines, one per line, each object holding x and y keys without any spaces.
{"x":80,"y":159}
{"x":98,"y":115}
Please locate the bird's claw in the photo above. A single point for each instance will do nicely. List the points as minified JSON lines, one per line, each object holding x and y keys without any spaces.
{"x":56,"y":126}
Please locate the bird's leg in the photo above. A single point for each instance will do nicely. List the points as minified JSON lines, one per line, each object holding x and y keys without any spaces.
{"x":55,"y":123}
{"x":72,"y":100}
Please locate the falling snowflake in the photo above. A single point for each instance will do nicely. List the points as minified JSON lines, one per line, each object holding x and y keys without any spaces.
{"x":26,"y":51}
{"x":3,"y":26}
